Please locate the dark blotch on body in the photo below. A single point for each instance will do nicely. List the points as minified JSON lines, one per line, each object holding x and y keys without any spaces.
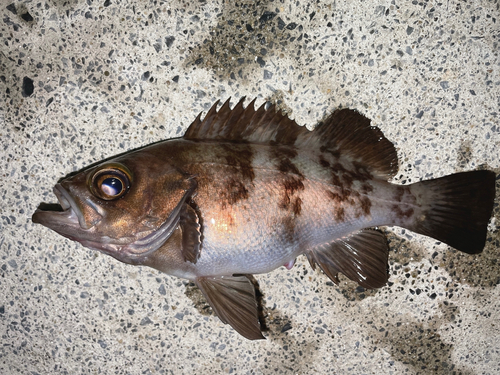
{"x":332,"y":151}
{"x":401,"y":191}
{"x":290,"y":186}
{"x":280,"y":152}
{"x":240,"y":173}
{"x":234,"y":191}
{"x":340,"y":214}
{"x":341,"y":176}
{"x":297,"y":206}
{"x":404,"y":210}
{"x":339,"y":199}
{"x":323,"y":162}
{"x":361,"y":173}
{"x":366,"y":188}
{"x":286,"y":166}
{"x":291,"y":179}
{"x":366,"y":205}
{"x":340,"y":195}
{"x":344,"y":197}
{"x":241,"y":158}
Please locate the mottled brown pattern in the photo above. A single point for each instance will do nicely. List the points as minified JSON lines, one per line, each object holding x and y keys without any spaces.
{"x":339,"y":168}
{"x":347,"y":179}
{"x":297,"y":206}
{"x":234,"y":191}
{"x":241,"y":158}
{"x":290,"y":185}
{"x":332,"y":151}
{"x":365,"y":204}
{"x":344,"y":197}
{"x":366,"y":188}
{"x":361,"y":172}
{"x":288,"y":223}
{"x":336,"y":180}
{"x":340,"y":214}
{"x":400,"y":193}
{"x":336,"y":198}
{"x":240,"y":174}
{"x":323,"y":162}
{"x":286,"y":166}
{"x":340,"y":199}
{"x":290,"y":181}
{"x":341,"y":195}
{"x":403,"y":210}
{"x":280,"y":152}
{"x":341,"y":176}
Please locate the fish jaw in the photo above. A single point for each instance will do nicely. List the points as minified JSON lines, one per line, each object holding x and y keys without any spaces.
{"x":69,"y":220}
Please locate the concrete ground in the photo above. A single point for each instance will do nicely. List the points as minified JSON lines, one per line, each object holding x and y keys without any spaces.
{"x":84,"y":80}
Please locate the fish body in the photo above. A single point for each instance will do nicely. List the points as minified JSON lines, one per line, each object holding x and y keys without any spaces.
{"x":259,"y":211}
{"x":246,"y":191}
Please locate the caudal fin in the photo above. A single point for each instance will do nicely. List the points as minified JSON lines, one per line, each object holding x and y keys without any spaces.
{"x":459,"y":209}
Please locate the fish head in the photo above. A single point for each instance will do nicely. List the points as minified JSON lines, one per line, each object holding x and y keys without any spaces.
{"x":126,"y":207}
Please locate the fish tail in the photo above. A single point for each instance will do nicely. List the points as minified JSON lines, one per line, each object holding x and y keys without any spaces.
{"x":457,"y":210}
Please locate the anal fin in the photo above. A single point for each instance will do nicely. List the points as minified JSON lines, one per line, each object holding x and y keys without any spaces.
{"x":362,"y":257}
{"x":233,"y":300}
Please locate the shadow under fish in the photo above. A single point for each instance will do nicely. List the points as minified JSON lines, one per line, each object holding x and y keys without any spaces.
{"x":246,"y":191}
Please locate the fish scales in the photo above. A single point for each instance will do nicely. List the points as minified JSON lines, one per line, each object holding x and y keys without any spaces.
{"x":287,"y":208}
{"x":247,"y":190}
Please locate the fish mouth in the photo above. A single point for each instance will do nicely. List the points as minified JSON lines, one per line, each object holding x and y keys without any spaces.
{"x":64,"y":218}
{"x":67,"y":219}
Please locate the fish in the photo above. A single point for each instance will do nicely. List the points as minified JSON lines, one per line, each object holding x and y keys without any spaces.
{"x":246,"y":191}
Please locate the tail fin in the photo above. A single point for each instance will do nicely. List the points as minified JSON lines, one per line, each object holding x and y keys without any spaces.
{"x":459,"y":209}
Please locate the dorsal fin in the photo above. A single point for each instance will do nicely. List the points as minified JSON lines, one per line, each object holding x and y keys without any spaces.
{"x":348,"y":132}
{"x":245,"y":125}
{"x":344,"y":132}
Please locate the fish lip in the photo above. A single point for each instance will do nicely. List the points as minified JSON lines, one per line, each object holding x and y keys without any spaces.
{"x":71,"y":215}
{"x":68,"y":203}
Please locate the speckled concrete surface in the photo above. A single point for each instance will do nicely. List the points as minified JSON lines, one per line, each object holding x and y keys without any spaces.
{"x":84,"y":80}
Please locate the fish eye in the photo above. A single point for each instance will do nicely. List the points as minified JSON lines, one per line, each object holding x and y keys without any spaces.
{"x":110,"y":182}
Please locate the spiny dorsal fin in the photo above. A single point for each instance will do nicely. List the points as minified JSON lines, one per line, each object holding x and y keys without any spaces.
{"x":245,"y":125}
{"x":344,"y":132}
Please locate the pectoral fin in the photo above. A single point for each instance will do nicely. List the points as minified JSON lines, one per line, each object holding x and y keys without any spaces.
{"x":362,"y":257}
{"x":191,"y":235}
{"x":233,"y":300}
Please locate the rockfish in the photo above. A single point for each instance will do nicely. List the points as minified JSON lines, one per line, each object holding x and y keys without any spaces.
{"x":246,"y":191}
